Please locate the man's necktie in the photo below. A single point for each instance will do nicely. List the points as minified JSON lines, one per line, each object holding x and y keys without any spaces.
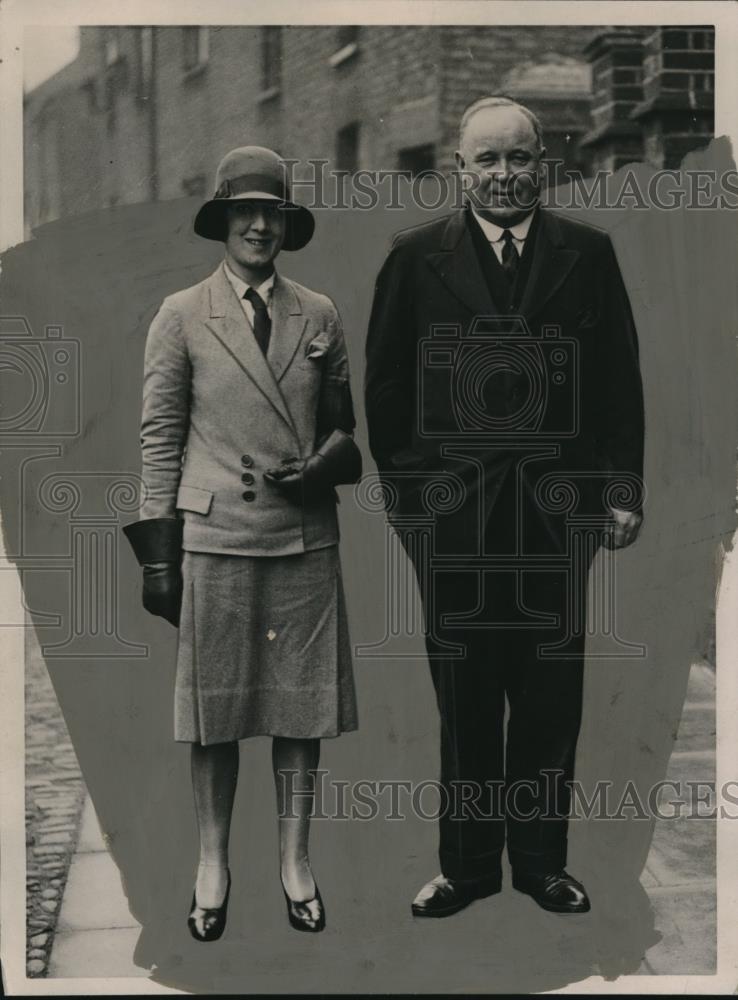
{"x":510,"y":256}
{"x":262,"y":322}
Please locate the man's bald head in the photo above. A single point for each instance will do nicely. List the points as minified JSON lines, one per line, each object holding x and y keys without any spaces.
{"x":485,"y":103}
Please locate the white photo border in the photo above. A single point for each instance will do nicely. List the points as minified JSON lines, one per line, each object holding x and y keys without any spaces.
{"x":15,"y":15}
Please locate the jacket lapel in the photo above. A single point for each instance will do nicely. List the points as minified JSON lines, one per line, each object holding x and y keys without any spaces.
{"x":228,"y":324}
{"x":288,"y":326}
{"x":458,"y":267}
{"x":550,"y":265}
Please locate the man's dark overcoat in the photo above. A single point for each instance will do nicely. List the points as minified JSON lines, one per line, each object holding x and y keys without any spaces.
{"x":505,"y":419}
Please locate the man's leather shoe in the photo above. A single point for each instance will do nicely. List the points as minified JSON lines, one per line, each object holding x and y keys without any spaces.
{"x":554,"y":891}
{"x":443,"y":896}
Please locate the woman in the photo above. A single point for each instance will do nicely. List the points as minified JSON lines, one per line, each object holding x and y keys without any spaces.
{"x":246,"y":430}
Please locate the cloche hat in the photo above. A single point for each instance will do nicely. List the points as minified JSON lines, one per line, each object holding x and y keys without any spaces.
{"x":253,"y":172}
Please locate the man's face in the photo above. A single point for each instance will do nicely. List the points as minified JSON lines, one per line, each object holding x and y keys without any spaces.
{"x":500,"y":153}
{"x":255,"y":233}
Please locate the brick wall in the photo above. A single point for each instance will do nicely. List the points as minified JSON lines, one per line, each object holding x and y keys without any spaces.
{"x":617,"y":88}
{"x":63,"y":153}
{"x":405,"y":85}
{"x":653,"y":94}
{"x":226,"y":106}
{"x":677,"y":111}
{"x":481,"y":61}
{"x":389,"y":85}
{"x":96,"y":137}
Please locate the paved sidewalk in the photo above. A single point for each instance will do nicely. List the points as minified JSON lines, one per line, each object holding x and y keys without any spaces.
{"x":680,"y":874}
{"x":95,"y":934}
{"x":55,"y":793}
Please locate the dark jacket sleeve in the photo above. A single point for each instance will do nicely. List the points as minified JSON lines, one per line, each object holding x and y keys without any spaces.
{"x":335,"y":405}
{"x":389,"y":386}
{"x":335,"y":419}
{"x":620,"y":410}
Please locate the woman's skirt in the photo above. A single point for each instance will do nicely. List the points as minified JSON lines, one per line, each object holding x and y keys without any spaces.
{"x":263,"y":648}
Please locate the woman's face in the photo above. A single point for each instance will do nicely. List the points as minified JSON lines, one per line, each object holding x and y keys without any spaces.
{"x":256,"y":231}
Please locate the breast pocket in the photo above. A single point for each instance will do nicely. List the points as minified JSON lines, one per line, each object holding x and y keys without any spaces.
{"x":194,"y":499}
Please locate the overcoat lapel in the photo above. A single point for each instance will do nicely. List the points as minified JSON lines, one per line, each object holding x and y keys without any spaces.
{"x":550,"y":265}
{"x":457,"y":265}
{"x":228,"y":324}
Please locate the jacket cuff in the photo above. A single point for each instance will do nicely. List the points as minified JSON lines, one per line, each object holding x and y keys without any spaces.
{"x":158,"y":539}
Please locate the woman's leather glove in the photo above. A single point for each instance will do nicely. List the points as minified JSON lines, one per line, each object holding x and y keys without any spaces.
{"x":157,"y":545}
{"x":162,"y":590}
{"x":337,"y":460}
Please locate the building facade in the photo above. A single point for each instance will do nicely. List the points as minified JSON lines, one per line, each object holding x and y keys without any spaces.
{"x":145,"y":113}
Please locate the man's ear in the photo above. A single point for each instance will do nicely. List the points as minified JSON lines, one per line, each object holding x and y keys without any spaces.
{"x":466,"y":181}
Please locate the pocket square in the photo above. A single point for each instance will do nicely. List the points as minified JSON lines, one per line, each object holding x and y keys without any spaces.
{"x":318,"y":346}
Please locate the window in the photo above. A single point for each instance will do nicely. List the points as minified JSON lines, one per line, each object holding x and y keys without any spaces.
{"x":417,"y":159}
{"x":145,"y":62}
{"x":112,"y":49}
{"x":271,"y":59}
{"x":115,"y":78}
{"x":347,"y":148}
{"x":347,"y":44}
{"x":195,"y":47}
{"x":701,"y":39}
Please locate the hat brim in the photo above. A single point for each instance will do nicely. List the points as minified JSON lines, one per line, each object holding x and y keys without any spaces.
{"x":211,"y":222}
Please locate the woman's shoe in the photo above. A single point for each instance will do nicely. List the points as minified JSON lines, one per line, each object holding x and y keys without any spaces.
{"x":308,"y":915}
{"x":208,"y":923}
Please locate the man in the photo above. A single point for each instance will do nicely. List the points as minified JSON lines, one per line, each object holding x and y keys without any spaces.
{"x":502,"y":364}
{"x":247,"y":429}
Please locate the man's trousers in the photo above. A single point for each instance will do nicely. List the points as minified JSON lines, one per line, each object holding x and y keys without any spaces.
{"x":521,"y":640}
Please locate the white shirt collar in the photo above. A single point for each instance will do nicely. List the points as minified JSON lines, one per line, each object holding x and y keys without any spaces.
{"x":264,"y":290}
{"x":493,"y":232}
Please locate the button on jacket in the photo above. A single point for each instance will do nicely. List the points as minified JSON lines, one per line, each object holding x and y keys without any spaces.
{"x":217,"y":414}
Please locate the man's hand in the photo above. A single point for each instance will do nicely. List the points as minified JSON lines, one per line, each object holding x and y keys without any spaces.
{"x":624,"y":529}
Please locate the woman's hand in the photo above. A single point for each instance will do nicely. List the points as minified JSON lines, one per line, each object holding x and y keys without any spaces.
{"x":289,"y":478}
{"x":336,"y":461}
{"x":162,"y":590}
